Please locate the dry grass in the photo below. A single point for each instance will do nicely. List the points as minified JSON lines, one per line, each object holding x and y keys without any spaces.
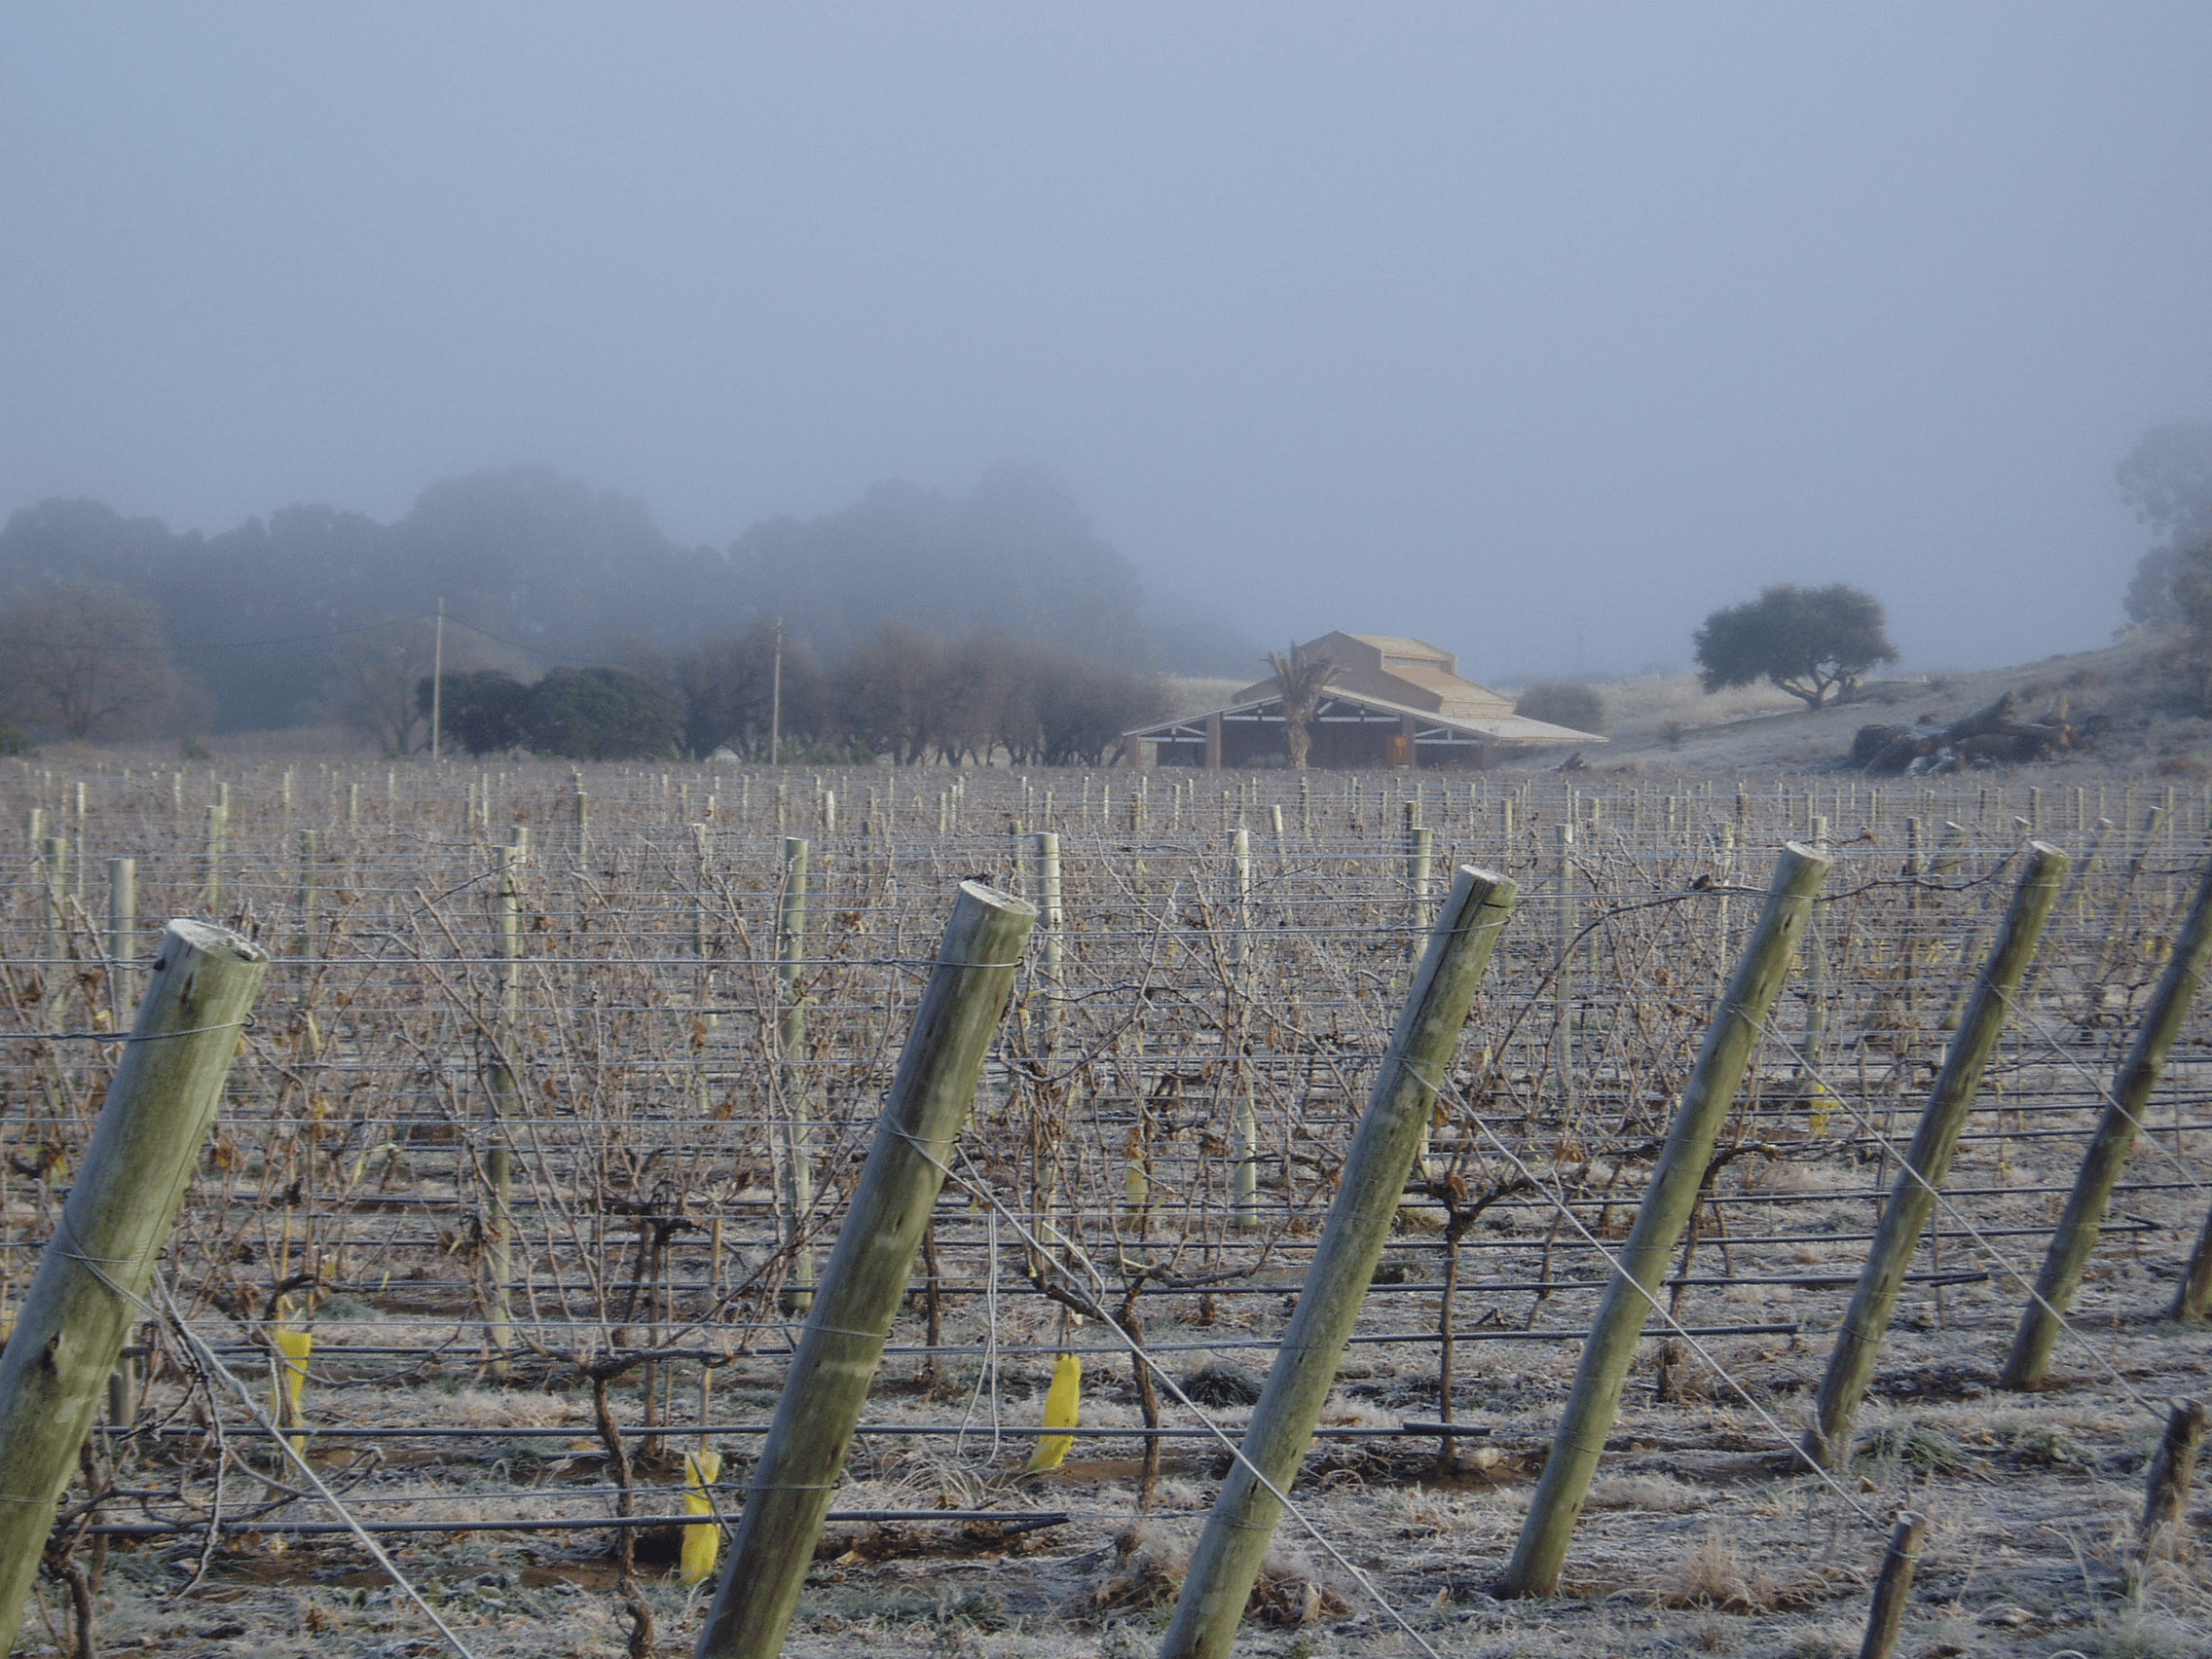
{"x":1150,"y":1566}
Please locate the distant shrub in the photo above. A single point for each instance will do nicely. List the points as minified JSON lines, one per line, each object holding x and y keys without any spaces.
{"x":599,"y":713}
{"x":1565,"y":703}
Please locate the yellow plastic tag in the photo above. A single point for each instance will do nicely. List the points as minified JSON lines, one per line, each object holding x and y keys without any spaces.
{"x":295,"y":1347}
{"x":702,"y":1540}
{"x":1063,"y":1405}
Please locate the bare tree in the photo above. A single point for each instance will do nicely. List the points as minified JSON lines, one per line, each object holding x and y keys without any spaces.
{"x":1300,"y":677}
{"x":889,"y":692}
{"x":373,"y":676}
{"x":88,"y":660}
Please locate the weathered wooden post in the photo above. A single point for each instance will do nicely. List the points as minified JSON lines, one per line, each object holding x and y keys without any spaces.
{"x":1667,"y":1207}
{"x":1562,"y":983}
{"x":211,"y":858}
{"x":1045,"y":881}
{"x":505,"y":1090}
{"x":867,"y":1275}
{"x":2166,"y":1490}
{"x":1421,"y":863}
{"x":310,"y":890}
{"x":2067,"y":1253}
{"x":790,"y":1069}
{"x":1893,"y":1588}
{"x":1912,"y":1199}
{"x":2193,"y":1295}
{"x":122,"y":927}
{"x":1244,"y":1137}
{"x":54,"y":894}
{"x":1371,"y":1188}
{"x":94,"y":1273}
{"x":1816,"y":985}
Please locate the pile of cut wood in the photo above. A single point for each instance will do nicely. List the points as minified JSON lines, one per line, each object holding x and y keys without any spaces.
{"x":1989,"y":737}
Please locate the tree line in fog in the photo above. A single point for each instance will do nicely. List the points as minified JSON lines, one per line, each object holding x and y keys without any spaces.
{"x":914,"y":623}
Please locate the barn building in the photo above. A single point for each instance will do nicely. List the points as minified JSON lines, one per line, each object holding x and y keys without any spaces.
{"x":1388,"y":702}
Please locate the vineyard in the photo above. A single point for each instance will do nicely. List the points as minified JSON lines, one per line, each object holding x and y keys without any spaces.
{"x":553,"y":1102}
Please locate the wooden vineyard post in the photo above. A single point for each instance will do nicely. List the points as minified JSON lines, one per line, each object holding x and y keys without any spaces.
{"x":1371,"y":1188}
{"x":2166,"y":1490}
{"x":1912,"y":1199}
{"x":791,"y":1071}
{"x":2070,"y":1246}
{"x":2193,"y":1295}
{"x":218,"y":837}
{"x":1892,"y":1590}
{"x":703,"y":947}
{"x":505,"y":1090}
{"x":53,"y":895}
{"x":1244,"y":1141}
{"x":310,"y":892}
{"x":1562,"y":983}
{"x":94,"y":1273}
{"x":1815,"y":1041}
{"x":122,"y":927}
{"x":1045,"y":884}
{"x":865,"y":1278}
{"x":1668,"y":1204}
{"x":1421,"y":861}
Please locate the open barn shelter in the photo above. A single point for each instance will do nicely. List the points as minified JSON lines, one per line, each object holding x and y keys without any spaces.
{"x":1389,"y":702}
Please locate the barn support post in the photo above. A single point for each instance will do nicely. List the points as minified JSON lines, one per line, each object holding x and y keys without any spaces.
{"x":94,"y":1273}
{"x":1213,"y":742}
{"x":1912,"y":1199}
{"x":2067,"y":1253}
{"x":1667,"y":1207}
{"x":1369,"y":1193}
{"x":796,"y":1131}
{"x":867,"y":1275}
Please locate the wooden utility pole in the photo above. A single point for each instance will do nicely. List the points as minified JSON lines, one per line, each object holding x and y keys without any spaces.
{"x":776,"y":700}
{"x":867,"y":1275}
{"x":94,"y":1273}
{"x":438,"y":684}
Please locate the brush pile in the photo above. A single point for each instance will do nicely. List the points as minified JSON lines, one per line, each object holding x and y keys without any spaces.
{"x":1994,"y":736}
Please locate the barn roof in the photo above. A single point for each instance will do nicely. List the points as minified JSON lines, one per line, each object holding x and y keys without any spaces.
{"x":1493,"y":728}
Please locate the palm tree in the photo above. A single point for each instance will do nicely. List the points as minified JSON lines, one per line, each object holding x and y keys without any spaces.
{"x":1301,"y":675}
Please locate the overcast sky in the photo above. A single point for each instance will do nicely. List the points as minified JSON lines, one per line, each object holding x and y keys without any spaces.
{"x":1538,"y":331}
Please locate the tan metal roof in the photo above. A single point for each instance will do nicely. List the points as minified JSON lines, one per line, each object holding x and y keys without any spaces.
{"x":1504,"y":729}
{"x":1398,"y":646}
{"x":1458,"y":696}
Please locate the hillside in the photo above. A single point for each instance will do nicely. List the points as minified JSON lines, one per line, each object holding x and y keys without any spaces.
{"x":1664,"y":722}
